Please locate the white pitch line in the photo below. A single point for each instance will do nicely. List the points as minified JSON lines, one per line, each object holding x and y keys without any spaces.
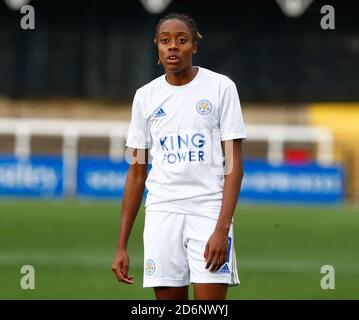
{"x":104,"y":262}
{"x":63,"y":260}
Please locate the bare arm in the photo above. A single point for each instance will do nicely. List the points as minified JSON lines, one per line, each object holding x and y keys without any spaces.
{"x":217,"y":245}
{"x":134,"y":188}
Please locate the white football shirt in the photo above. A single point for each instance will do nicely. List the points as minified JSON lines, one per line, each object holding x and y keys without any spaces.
{"x":183,"y":127}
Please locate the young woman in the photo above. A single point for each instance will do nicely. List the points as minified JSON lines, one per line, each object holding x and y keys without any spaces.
{"x":191,"y":121}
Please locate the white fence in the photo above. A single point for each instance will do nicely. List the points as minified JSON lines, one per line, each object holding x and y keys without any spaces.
{"x":70,"y":131}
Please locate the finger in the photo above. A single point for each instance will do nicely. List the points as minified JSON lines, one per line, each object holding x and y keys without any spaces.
{"x":126,"y":279}
{"x":117,"y":272}
{"x":124,"y":270}
{"x":121,"y":277}
{"x":206,"y":252}
{"x":220,"y":264}
{"x":214,"y":267}
{"x":223,"y":258}
{"x":209,"y":259}
{"x":215,"y":261}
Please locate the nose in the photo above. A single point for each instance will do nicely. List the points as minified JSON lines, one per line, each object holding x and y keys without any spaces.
{"x":173,"y":45}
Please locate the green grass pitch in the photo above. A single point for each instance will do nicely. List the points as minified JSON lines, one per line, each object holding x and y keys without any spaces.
{"x":280,"y":251}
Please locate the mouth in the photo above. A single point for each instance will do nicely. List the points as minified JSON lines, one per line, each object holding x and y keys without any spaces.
{"x":173,"y":59}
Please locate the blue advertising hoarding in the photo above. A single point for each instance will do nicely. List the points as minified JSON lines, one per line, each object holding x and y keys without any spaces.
{"x":101,"y":177}
{"x":309,"y":183}
{"x":38,"y":176}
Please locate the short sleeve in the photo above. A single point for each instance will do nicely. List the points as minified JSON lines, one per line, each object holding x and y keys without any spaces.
{"x":231,"y":119}
{"x":138,"y":136}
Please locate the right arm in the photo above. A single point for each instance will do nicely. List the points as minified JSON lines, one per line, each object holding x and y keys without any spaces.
{"x":134,"y":188}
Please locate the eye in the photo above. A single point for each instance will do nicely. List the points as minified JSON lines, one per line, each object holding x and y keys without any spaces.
{"x":182,"y":40}
{"x":164,"y":40}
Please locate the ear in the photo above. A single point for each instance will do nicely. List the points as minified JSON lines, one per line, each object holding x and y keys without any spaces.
{"x":194,"y":48}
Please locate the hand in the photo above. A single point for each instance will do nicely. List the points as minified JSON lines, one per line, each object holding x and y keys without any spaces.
{"x":120,"y":267}
{"x":215,"y":253}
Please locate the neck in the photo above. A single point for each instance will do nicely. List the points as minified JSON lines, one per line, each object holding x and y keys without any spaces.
{"x":182,"y":77}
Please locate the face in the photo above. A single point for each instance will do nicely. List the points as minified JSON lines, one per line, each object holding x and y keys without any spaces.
{"x":175,"y":45}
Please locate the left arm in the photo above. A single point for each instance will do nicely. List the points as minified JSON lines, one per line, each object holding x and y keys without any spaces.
{"x":217,"y":245}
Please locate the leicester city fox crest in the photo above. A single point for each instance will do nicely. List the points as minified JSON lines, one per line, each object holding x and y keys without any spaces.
{"x":150,"y":267}
{"x":204,"y":107}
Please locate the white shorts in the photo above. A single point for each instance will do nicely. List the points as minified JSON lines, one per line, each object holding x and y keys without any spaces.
{"x":174,"y":245}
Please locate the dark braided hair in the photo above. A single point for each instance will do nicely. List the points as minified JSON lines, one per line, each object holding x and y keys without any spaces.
{"x":191,"y":24}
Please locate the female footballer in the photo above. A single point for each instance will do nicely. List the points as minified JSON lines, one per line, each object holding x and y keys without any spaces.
{"x":189,"y":123}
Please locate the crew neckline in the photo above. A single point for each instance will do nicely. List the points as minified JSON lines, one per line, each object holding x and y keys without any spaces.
{"x":183,"y":86}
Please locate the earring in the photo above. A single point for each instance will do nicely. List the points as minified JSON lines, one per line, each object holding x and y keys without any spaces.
{"x":159,"y":61}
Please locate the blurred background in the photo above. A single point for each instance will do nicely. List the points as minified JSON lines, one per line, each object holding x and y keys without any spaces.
{"x":68,"y":74}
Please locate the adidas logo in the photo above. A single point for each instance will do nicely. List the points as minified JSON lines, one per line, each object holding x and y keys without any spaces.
{"x":225,"y":269}
{"x":160,"y":113}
